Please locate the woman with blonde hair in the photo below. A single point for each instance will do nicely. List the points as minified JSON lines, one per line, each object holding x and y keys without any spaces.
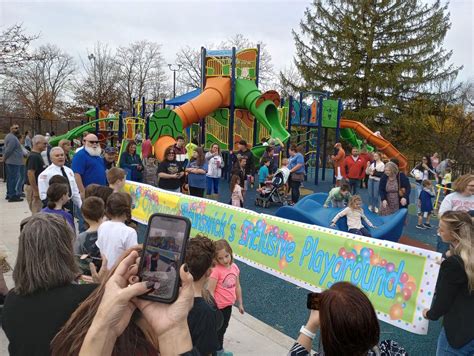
{"x":454,"y":293}
{"x":463,"y":197}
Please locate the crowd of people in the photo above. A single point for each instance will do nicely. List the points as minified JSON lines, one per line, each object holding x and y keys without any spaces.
{"x":89,"y":304}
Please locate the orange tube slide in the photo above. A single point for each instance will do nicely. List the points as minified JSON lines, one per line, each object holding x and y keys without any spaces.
{"x":216,"y":94}
{"x":382,"y":144}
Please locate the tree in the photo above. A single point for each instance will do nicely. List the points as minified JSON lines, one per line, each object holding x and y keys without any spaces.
{"x":374,"y":54}
{"x":190,"y":60}
{"x":141,"y":68}
{"x":290,"y":72}
{"x":443,"y":120}
{"x":99,"y":84}
{"x":39,"y":85}
{"x":14,"y":44}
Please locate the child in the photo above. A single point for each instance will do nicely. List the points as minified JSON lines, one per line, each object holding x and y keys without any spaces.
{"x":426,"y":205}
{"x":339,"y":196}
{"x":204,"y":319}
{"x":58,"y":196}
{"x":237,"y":198}
{"x":446,"y":181}
{"x":263,"y":172}
{"x":149,"y":171}
{"x":354,"y":214}
{"x":116,"y":178}
{"x":113,"y":236}
{"x":224,"y":285}
{"x":93,"y":211}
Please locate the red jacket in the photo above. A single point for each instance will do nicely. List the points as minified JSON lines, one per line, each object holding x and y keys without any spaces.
{"x":354,"y":169}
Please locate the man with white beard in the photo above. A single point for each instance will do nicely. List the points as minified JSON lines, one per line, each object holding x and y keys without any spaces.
{"x":88,"y":165}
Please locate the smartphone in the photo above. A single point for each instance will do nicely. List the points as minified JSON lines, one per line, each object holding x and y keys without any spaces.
{"x":313,"y":301}
{"x":162,"y":255}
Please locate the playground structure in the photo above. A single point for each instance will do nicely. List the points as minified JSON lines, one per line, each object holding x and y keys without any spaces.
{"x":226,"y":110}
{"x":312,"y":121}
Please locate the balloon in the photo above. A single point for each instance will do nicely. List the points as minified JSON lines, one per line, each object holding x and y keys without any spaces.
{"x":365,"y":253}
{"x":406,"y":293}
{"x":371,"y":251}
{"x":404,"y":305}
{"x":359,"y":259}
{"x":383,"y":262}
{"x":342,"y":252}
{"x":411,"y":286}
{"x":349,"y":244}
{"x":399,"y":298}
{"x":411,"y":279}
{"x":358,"y":248}
{"x":404,"y":277}
{"x":282,"y":263}
{"x":396,"y":312}
{"x":390,"y":267}
{"x":374,"y":260}
{"x":350,"y":256}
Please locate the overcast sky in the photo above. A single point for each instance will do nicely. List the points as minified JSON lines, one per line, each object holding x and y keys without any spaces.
{"x":75,"y":26}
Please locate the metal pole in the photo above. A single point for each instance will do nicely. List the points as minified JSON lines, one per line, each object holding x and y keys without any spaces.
{"x":230,"y":140}
{"x":318,"y":142}
{"x":325,"y":143}
{"x":97,"y":118}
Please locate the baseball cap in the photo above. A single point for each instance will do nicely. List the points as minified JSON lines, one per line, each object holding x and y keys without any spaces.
{"x":110,"y":150}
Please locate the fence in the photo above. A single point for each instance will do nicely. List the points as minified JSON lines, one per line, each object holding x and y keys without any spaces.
{"x":58,"y":126}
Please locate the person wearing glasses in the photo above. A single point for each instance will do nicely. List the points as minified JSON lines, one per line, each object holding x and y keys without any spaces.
{"x":88,"y":165}
{"x":13,"y":158}
{"x":170,"y":172}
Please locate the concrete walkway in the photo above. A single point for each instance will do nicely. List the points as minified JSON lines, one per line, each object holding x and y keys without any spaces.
{"x":246,"y":335}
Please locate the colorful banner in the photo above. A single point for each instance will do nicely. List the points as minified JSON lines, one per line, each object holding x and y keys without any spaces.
{"x":398,"y":279}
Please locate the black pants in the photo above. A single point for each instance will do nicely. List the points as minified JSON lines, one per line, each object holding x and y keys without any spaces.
{"x":353,"y":183}
{"x":226,"y":312}
{"x":196,"y":192}
{"x":295,"y":190}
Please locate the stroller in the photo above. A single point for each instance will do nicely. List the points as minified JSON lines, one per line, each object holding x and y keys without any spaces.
{"x":273,"y":192}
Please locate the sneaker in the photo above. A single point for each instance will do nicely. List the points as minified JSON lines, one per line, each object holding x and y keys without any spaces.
{"x":376,"y":210}
{"x":371,"y":208}
{"x":427,"y":226}
{"x":422,"y":227}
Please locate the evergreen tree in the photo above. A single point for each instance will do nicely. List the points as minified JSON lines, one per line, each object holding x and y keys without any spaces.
{"x":374,"y":54}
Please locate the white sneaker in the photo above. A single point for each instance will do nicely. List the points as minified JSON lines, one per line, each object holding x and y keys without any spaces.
{"x":376,"y":210}
{"x":371,"y":208}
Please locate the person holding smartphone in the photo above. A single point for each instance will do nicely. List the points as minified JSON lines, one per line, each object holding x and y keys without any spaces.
{"x":348,"y":325}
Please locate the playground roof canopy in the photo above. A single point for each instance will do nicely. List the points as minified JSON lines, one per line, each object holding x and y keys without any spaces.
{"x":183,"y":99}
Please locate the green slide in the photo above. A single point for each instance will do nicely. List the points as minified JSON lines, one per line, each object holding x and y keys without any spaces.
{"x":78,"y":131}
{"x":350,"y":136}
{"x":246,"y":95}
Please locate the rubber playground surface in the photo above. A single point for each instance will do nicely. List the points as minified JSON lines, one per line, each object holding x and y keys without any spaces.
{"x":282,"y":305}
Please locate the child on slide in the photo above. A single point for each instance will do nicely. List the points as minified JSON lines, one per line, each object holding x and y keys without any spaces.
{"x":354,"y":214}
{"x":339,"y":196}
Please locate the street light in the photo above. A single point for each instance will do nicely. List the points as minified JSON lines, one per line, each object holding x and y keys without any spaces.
{"x":174,"y":68}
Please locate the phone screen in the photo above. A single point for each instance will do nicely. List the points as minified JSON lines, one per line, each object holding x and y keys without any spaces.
{"x":162,"y":255}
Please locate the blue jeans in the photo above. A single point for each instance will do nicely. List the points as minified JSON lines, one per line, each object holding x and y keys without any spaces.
{"x":418,"y":189}
{"x":212,"y":185}
{"x":21,"y":180}
{"x":78,"y":214}
{"x":373,"y":187}
{"x":353,"y":183}
{"x":444,"y":349}
{"x":13,"y":177}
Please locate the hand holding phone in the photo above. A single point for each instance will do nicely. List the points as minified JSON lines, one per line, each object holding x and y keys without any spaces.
{"x":163,"y":254}
{"x":313,"y":301}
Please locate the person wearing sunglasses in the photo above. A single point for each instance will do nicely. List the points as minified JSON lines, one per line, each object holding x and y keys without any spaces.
{"x":170,"y":172}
